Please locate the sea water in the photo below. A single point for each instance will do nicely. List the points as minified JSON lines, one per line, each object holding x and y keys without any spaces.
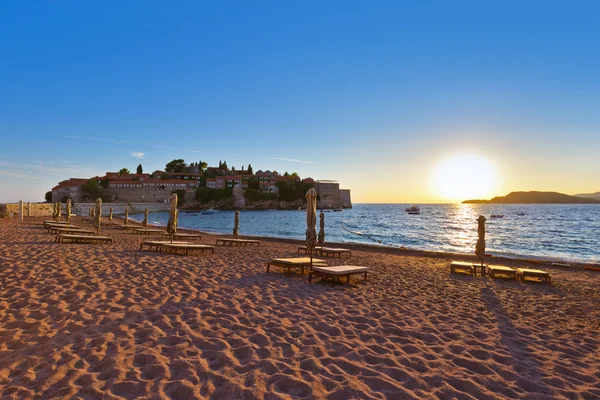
{"x":551,"y":232}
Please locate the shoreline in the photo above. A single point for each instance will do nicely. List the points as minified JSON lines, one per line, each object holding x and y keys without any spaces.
{"x":536,"y":262}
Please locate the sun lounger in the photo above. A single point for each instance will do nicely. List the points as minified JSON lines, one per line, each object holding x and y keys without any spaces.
{"x":130,"y":227}
{"x":238,"y":242}
{"x":53,"y":222}
{"x":337,"y":272}
{"x":332,"y":251}
{"x":459,"y":266}
{"x":499,"y":270}
{"x":186,"y":248}
{"x":185,"y":236}
{"x":55,"y":225}
{"x":75,"y":231}
{"x":82,"y":239}
{"x":148,"y":231}
{"x":289,"y":263}
{"x":534,"y":274}
{"x":57,"y":228}
{"x":304,"y":249}
{"x":157,"y":244}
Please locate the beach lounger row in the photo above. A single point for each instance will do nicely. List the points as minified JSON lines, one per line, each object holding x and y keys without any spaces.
{"x":289,"y":263}
{"x":148,"y":231}
{"x":238,"y":242}
{"x":184,"y":236}
{"x":498,"y":271}
{"x":318,"y":268}
{"x":75,"y":231}
{"x":175,"y":247}
{"x":327,"y":251}
{"x":82,"y":239}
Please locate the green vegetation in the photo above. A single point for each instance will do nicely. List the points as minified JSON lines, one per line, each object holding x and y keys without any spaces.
{"x":290,"y":191}
{"x":140,"y":170}
{"x":254,"y":195}
{"x":124,"y":171}
{"x":48,"y":197}
{"x":204,"y":194}
{"x":176,"y":166}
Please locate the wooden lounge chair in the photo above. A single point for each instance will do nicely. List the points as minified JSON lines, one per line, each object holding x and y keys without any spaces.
{"x":53,"y":222}
{"x":58,"y":228}
{"x":304,"y":249}
{"x":130,"y":227}
{"x":185,"y":236}
{"x":82,"y":239}
{"x":157,"y":244}
{"x":186,"y":248}
{"x":471,"y":268}
{"x":499,"y":270}
{"x":48,"y":226}
{"x":333,"y":251}
{"x":238,"y":242}
{"x":289,"y":263}
{"x":534,"y":274}
{"x":337,"y":272}
{"x":75,"y":231}
{"x":148,"y":231}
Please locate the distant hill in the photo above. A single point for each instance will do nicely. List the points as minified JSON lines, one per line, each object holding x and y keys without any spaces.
{"x":536,"y":198}
{"x":590,"y":195}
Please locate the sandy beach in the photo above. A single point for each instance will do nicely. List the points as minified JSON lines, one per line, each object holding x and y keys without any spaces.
{"x":112,"y":322}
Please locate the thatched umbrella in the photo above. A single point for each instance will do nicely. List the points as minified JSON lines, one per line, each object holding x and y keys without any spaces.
{"x":110,"y":215}
{"x":126,"y":217}
{"x":97,"y":218}
{"x":173,"y":216}
{"x":145,"y":222}
{"x":321,"y":237}
{"x":68,"y":212}
{"x":56,"y":213}
{"x":480,"y":246}
{"x":236,"y":223}
{"x":311,"y":221}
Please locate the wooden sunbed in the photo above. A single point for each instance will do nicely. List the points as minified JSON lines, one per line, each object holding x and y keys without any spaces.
{"x":130,"y":227}
{"x":53,"y":222}
{"x":187,"y":248}
{"x":148,"y":231}
{"x":304,"y":249}
{"x":538,"y":275}
{"x":333,"y":251}
{"x":82,"y":239}
{"x":337,"y":272}
{"x":459,"y":266}
{"x":75,"y":231}
{"x":157,"y":244}
{"x":299,"y":262}
{"x":185,"y":236}
{"x":499,"y":270}
{"x":55,"y":225}
{"x":238,"y":242}
{"x":56,"y":228}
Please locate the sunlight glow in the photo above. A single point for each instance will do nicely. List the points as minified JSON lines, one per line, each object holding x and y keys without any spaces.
{"x":463,"y":177}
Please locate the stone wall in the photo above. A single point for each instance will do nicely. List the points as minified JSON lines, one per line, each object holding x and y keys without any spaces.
{"x":29,"y":209}
{"x":82,"y":209}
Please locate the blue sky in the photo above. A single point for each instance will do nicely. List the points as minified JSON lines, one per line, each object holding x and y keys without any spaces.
{"x":372,"y":94}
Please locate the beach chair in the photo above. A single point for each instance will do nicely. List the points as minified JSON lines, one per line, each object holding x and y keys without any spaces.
{"x":495,"y":271}
{"x":534,"y":275}
{"x":471,"y":268}
{"x":237,"y":242}
{"x":333,"y":251}
{"x":75,"y":231}
{"x":183,"y":235}
{"x":187,"y":248}
{"x":148,"y":231}
{"x":337,"y":272}
{"x":156,"y":245}
{"x":82,"y":239}
{"x":299,"y":262}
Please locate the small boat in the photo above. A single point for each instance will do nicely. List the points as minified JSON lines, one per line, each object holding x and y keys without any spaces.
{"x":521,"y":214}
{"x":497,"y":215}
{"x":413,"y":210}
{"x":337,"y":209}
{"x":209,"y":211}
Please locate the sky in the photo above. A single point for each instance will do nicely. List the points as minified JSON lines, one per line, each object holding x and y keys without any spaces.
{"x":401,"y":102}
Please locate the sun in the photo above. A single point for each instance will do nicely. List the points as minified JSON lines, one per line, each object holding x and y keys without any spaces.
{"x":464,"y":176}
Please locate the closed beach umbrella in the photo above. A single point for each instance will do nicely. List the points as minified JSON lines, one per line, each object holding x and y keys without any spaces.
{"x":236,"y":223}
{"x":321,"y":237}
{"x":145,"y":223}
{"x":126,"y":216}
{"x":480,"y":246}
{"x":56,"y":213}
{"x":110,"y":213}
{"x":92,"y":210}
{"x":68,"y":212}
{"x":173,"y":216}
{"x":97,"y":215}
{"x":311,"y":221}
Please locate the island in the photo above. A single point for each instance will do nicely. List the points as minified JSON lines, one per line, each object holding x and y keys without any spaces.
{"x":534,"y":197}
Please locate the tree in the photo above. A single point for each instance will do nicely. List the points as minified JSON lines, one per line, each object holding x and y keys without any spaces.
{"x":224,"y":165}
{"x":220,"y":164}
{"x":286,"y":174}
{"x":139,"y":169}
{"x":176,"y":166}
{"x":49,"y":197}
{"x":233,"y":168}
{"x":91,"y":189}
{"x":202,"y":166}
{"x":250,"y":169}
{"x":124,"y":171}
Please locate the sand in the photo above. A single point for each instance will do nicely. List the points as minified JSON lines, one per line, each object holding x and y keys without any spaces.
{"x":97,"y":321}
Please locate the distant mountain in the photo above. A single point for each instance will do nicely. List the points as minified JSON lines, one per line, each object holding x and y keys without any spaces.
{"x":590,"y":195}
{"x":536,"y":198}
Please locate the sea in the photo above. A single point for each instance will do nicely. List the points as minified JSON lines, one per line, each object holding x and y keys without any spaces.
{"x":560,"y":233}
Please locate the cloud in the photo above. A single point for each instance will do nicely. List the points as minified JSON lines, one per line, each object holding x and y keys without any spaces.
{"x":17,"y":174}
{"x":291,"y":159}
{"x":137,"y":154}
